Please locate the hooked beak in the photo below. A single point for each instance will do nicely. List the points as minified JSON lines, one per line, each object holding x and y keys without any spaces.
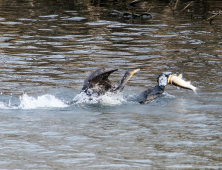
{"x":135,"y":71}
{"x":170,"y":79}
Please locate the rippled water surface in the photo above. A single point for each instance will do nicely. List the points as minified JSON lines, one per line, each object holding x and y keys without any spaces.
{"x":49,"y":47}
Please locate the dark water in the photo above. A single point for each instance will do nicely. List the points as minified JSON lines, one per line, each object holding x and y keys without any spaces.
{"x":48,"y":48}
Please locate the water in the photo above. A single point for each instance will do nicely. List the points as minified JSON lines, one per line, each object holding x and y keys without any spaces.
{"x":48,"y":48}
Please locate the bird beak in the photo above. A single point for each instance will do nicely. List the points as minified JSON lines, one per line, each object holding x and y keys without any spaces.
{"x":135,"y":71}
{"x":170,"y":79}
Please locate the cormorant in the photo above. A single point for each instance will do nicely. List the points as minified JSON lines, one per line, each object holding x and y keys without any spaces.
{"x":98,"y":82}
{"x":150,"y":94}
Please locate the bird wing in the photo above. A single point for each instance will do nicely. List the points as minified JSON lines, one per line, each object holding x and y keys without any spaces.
{"x":97,"y":76}
{"x":101,"y":76}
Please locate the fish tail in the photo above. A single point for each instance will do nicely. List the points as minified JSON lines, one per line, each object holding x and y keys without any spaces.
{"x":195,"y":90}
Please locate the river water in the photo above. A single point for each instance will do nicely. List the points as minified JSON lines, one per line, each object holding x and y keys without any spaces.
{"x":49,"y":47}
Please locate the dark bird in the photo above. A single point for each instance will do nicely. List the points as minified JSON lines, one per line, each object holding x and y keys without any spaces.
{"x":98,"y":82}
{"x":151,"y":94}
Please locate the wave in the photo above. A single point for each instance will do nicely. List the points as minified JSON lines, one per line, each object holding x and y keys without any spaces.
{"x":29,"y":102}
{"x":44,"y":101}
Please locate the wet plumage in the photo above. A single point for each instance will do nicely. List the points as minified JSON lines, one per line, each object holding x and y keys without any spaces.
{"x":149,"y":95}
{"x":98,"y":82}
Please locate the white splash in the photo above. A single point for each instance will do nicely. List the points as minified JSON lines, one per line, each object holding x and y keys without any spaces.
{"x":167,"y":95}
{"x":6,"y":106}
{"x":44,"y":101}
{"x":106,"y":99}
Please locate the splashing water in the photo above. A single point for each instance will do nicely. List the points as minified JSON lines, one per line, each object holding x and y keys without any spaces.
{"x":167,"y":95}
{"x":6,"y":106}
{"x":106,"y":99}
{"x":44,"y":101}
{"x":50,"y":101}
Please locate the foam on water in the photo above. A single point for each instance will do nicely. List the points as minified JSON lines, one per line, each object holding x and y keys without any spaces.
{"x":107,"y":99}
{"x":167,"y":95}
{"x":44,"y":101}
{"x":28,"y":102}
{"x":6,"y":106}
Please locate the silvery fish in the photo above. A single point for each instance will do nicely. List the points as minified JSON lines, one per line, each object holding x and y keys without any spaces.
{"x":179,"y":82}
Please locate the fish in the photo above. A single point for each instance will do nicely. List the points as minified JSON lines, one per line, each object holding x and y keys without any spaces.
{"x":179,"y":82}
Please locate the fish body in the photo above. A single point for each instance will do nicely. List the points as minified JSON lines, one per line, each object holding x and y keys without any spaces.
{"x":179,"y":82}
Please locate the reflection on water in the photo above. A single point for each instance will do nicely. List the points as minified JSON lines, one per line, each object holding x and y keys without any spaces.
{"x":48,"y":48}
